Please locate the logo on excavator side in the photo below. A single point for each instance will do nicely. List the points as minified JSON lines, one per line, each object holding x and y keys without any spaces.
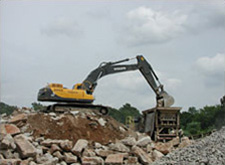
{"x":120,"y":68}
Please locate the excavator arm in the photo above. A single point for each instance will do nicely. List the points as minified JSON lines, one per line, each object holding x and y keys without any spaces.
{"x":163,"y":99}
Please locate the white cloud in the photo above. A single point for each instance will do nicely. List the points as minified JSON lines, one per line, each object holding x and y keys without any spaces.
{"x":211,"y":65}
{"x":212,"y":69}
{"x":62,"y":26}
{"x":149,"y":26}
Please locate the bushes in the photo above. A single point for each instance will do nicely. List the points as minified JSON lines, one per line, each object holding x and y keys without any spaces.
{"x":196,"y":121}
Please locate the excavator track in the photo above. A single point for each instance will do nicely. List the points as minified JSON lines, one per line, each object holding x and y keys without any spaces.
{"x":67,"y":107}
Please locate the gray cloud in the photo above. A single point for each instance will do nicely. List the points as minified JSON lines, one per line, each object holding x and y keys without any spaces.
{"x":144,"y":25}
{"x":62,"y":26}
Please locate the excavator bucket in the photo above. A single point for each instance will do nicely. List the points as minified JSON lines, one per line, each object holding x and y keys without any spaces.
{"x":167,"y":99}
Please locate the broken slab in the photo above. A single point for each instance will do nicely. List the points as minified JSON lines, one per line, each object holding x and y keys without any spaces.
{"x":92,"y":160}
{"x":142,"y":155}
{"x":79,"y":146}
{"x":11,"y":129}
{"x":115,"y":159}
{"x":66,"y":145}
{"x":20,"y":117}
{"x":7,"y":142}
{"x":157,"y":155}
{"x":88,"y":152}
{"x":144,"y":141}
{"x":25,"y":148}
{"x":49,"y":142}
{"x":129,"y":141}
{"x":119,"y":147}
{"x":54,"y":148}
{"x":104,"y":153}
{"x":164,"y":148}
{"x":58,"y":155}
{"x":69,"y":157}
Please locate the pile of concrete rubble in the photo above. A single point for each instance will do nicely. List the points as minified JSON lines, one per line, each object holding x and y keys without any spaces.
{"x":209,"y":150}
{"x":29,"y":138}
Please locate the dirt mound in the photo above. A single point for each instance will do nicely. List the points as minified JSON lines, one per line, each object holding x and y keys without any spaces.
{"x":102,"y":129}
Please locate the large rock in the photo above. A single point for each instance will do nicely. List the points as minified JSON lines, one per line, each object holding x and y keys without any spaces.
{"x":92,"y":160}
{"x":88,"y":152}
{"x":25,"y":148}
{"x":58,"y":155}
{"x":79,"y":147}
{"x":70,"y":158}
{"x":115,"y":158}
{"x":66,"y":145}
{"x":49,"y":142}
{"x":156,"y":154}
{"x":54,"y":148}
{"x":10,"y":161}
{"x":104,"y":153}
{"x":20,"y":117}
{"x":97,"y":145}
{"x":129,"y":141}
{"x":142,"y":155}
{"x":8,"y":142}
{"x":164,"y":148}
{"x":46,"y":159}
{"x":119,"y":147}
{"x":144,"y":141}
{"x":12,"y":129}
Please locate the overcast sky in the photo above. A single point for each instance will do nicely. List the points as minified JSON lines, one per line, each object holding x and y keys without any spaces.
{"x":63,"y":41}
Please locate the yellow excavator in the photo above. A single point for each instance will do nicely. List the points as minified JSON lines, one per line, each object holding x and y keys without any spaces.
{"x":81,"y":95}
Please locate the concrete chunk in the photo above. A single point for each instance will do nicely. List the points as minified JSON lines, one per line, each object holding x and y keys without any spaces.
{"x":8,"y":142}
{"x":157,"y":155}
{"x":12,"y":129}
{"x":55,"y":148}
{"x":144,"y":141}
{"x":103,"y":153}
{"x":143,"y":156}
{"x":79,"y":146}
{"x":25,"y":148}
{"x":119,"y":147}
{"x":66,"y":145}
{"x":129,"y":141}
{"x":70,"y":158}
{"x":49,"y":142}
{"x":92,"y":160}
{"x":115,"y":159}
{"x":18,"y":118}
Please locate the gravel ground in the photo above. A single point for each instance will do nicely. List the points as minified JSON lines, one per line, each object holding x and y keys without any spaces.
{"x":207,"y":151}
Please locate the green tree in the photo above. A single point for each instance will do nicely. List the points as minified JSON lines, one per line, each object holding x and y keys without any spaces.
{"x":37,"y":106}
{"x":5,"y":108}
{"x":124,"y":111}
{"x":193,"y":128}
